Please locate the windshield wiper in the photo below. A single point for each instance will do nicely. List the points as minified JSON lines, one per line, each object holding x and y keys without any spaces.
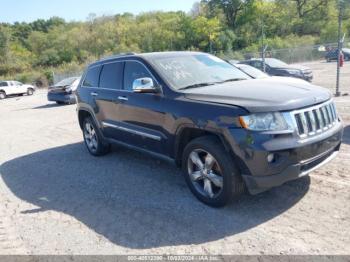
{"x":232,"y":80}
{"x":211,"y":83}
{"x":196,"y":86}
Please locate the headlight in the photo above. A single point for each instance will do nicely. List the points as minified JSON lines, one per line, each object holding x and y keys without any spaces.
{"x":265,"y":122}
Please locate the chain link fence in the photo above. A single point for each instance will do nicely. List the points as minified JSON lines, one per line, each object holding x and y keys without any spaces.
{"x":59,"y":76}
{"x":289,"y":55}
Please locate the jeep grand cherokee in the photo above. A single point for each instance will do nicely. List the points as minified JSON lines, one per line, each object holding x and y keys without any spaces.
{"x":227,"y":131}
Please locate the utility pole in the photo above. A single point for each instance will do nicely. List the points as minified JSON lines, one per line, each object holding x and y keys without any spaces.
{"x":340,"y":44}
{"x":211,"y":42}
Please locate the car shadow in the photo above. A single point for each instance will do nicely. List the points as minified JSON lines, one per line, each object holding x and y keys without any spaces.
{"x":13,"y":97}
{"x":53,"y":105}
{"x":135,"y":200}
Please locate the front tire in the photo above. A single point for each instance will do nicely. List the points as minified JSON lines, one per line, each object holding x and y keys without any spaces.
{"x":210,"y":172}
{"x":30,"y":92}
{"x":93,"y":139}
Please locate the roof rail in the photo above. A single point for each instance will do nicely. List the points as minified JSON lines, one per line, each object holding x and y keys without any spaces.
{"x":117,"y":55}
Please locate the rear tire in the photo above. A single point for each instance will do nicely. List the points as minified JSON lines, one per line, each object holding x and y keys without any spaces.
{"x":210,"y":172}
{"x":93,"y":139}
{"x":2,"y":95}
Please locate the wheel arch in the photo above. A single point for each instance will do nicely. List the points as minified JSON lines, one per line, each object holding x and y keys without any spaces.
{"x":186,"y":134}
{"x":82,"y":114}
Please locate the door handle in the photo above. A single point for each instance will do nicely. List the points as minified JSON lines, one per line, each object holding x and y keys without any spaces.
{"x":123,"y":98}
{"x":94,"y":94}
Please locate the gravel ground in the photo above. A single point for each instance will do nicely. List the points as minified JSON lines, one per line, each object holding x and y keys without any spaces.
{"x":57,"y":199}
{"x":325,"y":75}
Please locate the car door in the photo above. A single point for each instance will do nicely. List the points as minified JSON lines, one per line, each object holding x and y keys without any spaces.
{"x":11,"y":88}
{"x":141,"y":115}
{"x":14,"y":88}
{"x":109,"y":99}
{"x":105,"y":96}
{"x":19,"y":88}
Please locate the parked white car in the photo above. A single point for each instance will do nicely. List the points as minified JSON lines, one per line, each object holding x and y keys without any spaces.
{"x":9,"y":88}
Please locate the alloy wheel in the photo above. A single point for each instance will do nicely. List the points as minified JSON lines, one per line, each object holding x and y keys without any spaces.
{"x":90,"y":136}
{"x":205,"y":173}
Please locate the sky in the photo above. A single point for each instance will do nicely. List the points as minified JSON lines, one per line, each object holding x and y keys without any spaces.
{"x":78,"y":10}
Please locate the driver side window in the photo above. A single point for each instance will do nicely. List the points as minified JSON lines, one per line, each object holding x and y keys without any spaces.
{"x":134,"y":70}
{"x":258,"y":64}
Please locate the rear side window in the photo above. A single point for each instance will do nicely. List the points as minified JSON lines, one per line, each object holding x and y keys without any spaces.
{"x":92,"y":77}
{"x":133,"y":71}
{"x":112,"y":76}
{"x":3,"y":84}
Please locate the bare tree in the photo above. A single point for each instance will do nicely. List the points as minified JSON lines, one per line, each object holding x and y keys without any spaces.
{"x":305,"y":7}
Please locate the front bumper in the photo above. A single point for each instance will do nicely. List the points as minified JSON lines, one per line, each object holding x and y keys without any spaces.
{"x":308,"y":78}
{"x":257,"y":185}
{"x":294,"y":157}
{"x":305,"y":76}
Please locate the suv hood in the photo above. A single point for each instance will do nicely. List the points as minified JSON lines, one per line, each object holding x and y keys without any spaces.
{"x":262,"y":95}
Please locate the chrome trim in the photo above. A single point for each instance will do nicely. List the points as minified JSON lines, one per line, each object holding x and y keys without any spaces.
{"x":132,"y":131}
{"x":123,"y":98}
{"x":327,"y":160}
{"x":326,"y":118}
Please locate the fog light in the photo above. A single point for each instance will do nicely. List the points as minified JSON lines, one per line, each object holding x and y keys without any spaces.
{"x":271,"y":158}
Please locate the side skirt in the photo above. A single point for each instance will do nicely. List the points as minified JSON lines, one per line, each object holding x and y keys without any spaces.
{"x":142,"y":150}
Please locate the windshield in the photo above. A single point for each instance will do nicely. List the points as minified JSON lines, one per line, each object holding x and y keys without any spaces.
{"x":195,"y":70}
{"x":66,"y":82}
{"x":273,"y":62}
{"x":252,"y":71}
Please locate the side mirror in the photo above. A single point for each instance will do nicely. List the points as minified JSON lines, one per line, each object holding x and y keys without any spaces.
{"x":144,"y":85}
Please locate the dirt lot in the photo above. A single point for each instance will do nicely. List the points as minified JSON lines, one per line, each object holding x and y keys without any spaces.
{"x":57,"y":199}
{"x":325,"y":75}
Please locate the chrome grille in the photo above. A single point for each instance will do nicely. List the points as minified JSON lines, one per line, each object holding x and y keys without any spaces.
{"x":316,"y":119}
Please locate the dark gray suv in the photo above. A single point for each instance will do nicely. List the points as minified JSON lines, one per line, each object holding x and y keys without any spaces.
{"x":226,"y":130}
{"x":275,"y":67}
